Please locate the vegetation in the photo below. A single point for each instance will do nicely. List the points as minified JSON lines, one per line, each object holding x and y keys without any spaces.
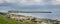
{"x":2,"y":13}
{"x":4,"y":20}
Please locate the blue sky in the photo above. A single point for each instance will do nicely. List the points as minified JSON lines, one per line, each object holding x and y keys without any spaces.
{"x":44,"y":5}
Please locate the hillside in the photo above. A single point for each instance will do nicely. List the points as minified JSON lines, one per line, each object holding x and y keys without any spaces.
{"x":4,"y":20}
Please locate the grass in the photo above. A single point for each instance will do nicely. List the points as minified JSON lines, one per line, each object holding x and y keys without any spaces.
{"x":4,"y":20}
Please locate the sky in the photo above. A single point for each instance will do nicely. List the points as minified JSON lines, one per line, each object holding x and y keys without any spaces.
{"x":37,"y":5}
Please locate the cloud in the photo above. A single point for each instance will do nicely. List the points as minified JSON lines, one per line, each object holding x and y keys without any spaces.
{"x":1,"y":1}
{"x":27,"y":2}
{"x":32,"y":2}
{"x":11,"y":1}
{"x":56,"y":2}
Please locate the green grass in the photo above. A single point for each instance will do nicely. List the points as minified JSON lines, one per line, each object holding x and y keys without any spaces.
{"x":4,"y":20}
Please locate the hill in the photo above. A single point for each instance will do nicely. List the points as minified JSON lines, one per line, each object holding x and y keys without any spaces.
{"x":4,"y":20}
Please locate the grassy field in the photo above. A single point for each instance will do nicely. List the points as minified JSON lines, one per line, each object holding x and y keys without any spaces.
{"x":4,"y":20}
